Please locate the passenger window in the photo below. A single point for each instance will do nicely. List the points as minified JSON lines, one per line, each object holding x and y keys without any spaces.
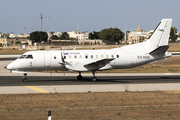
{"x":102,"y":56}
{"x":70,"y":57}
{"x":86,"y":57}
{"x":91,"y":56}
{"x":64,"y":57}
{"x":117,"y":56}
{"x":54,"y":57}
{"x":80,"y":56}
{"x":107,"y":56}
{"x":96,"y":56}
{"x":112,"y":56}
{"x":75,"y":56}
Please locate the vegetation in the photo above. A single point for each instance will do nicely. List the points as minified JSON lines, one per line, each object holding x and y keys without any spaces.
{"x":18,"y":42}
{"x":94,"y":35}
{"x":64,"y":36}
{"x":111,"y":35}
{"x":147,"y":105}
{"x":38,"y":36}
{"x":26,"y":43}
{"x":173,"y":35}
{"x":1,"y":45}
{"x":54,"y":37}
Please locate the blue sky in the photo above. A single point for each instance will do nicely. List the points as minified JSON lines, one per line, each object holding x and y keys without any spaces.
{"x":90,"y":15}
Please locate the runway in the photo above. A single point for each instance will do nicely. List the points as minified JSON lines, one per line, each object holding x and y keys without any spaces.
{"x":11,"y":83}
{"x":71,"y":80}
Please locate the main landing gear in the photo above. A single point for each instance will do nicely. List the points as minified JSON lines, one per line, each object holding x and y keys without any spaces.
{"x":94,"y":79}
{"x":25,"y":77}
{"x":79,"y":77}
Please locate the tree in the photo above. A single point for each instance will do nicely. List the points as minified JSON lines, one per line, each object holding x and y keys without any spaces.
{"x":18,"y":42}
{"x":38,"y":36}
{"x":94,"y":35}
{"x":111,"y":35}
{"x":54,"y":37}
{"x":64,"y":36}
{"x":173,"y":35}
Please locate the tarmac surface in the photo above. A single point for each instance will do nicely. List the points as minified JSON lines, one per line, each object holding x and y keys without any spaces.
{"x":11,"y":83}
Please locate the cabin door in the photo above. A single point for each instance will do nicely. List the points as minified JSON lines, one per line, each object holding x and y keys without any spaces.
{"x":47,"y":60}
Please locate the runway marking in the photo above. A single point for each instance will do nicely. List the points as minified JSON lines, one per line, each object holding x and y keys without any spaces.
{"x":37,"y":89}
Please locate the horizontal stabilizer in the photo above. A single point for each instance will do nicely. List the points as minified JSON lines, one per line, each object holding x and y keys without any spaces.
{"x":160,"y":50}
{"x":98,"y":64}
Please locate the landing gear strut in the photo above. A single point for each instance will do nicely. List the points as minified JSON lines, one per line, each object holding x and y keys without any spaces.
{"x":79,"y":77}
{"x":25,"y":77}
{"x":94,"y":79}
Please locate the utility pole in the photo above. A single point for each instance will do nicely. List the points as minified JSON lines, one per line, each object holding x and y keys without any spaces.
{"x":42,"y":20}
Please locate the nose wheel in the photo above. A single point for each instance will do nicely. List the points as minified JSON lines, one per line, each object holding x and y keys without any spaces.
{"x":25,"y":77}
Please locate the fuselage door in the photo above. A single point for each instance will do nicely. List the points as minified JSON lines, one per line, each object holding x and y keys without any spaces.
{"x":47,"y":60}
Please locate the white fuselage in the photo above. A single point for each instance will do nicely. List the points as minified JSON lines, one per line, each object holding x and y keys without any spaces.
{"x":50,"y":60}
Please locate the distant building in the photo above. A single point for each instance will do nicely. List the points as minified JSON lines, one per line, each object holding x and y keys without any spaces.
{"x":50,"y":34}
{"x":139,"y":29}
{"x":58,"y":34}
{"x":13,"y":38}
{"x":3,"y":41}
{"x":79,"y":35}
{"x":12,"y":35}
{"x":178,"y":39}
{"x":138,"y":35}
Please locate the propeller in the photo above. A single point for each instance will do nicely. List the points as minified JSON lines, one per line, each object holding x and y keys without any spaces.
{"x":63,"y":62}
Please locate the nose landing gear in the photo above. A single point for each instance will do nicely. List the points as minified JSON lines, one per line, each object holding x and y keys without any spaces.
{"x":25,"y":77}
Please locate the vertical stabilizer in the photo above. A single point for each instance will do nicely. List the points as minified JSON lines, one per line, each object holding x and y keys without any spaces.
{"x":160,"y":36}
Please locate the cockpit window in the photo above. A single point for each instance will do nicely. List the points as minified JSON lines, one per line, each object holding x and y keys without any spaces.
{"x":29,"y":57}
{"x":22,"y":56}
{"x":26,"y":57}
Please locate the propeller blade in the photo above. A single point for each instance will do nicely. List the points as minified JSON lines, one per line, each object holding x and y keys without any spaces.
{"x":62,"y":57}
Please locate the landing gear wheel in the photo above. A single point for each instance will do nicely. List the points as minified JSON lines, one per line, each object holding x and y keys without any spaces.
{"x":79,"y":77}
{"x":25,"y":77}
{"x":94,"y":79}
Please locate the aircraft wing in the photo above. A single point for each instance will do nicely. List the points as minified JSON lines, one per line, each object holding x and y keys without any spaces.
{"x":97,"y":64}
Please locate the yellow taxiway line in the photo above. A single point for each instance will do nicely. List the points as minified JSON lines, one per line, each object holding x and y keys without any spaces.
{"x":37,"y":89}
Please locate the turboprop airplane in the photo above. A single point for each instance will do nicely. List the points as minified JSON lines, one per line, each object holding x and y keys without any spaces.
{"x":152,"y":50}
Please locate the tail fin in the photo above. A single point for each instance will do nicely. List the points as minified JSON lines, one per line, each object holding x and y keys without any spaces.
{"x":160,"y":36}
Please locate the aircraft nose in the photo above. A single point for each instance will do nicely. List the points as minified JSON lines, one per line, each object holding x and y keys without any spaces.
{"x":10,"y":66}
